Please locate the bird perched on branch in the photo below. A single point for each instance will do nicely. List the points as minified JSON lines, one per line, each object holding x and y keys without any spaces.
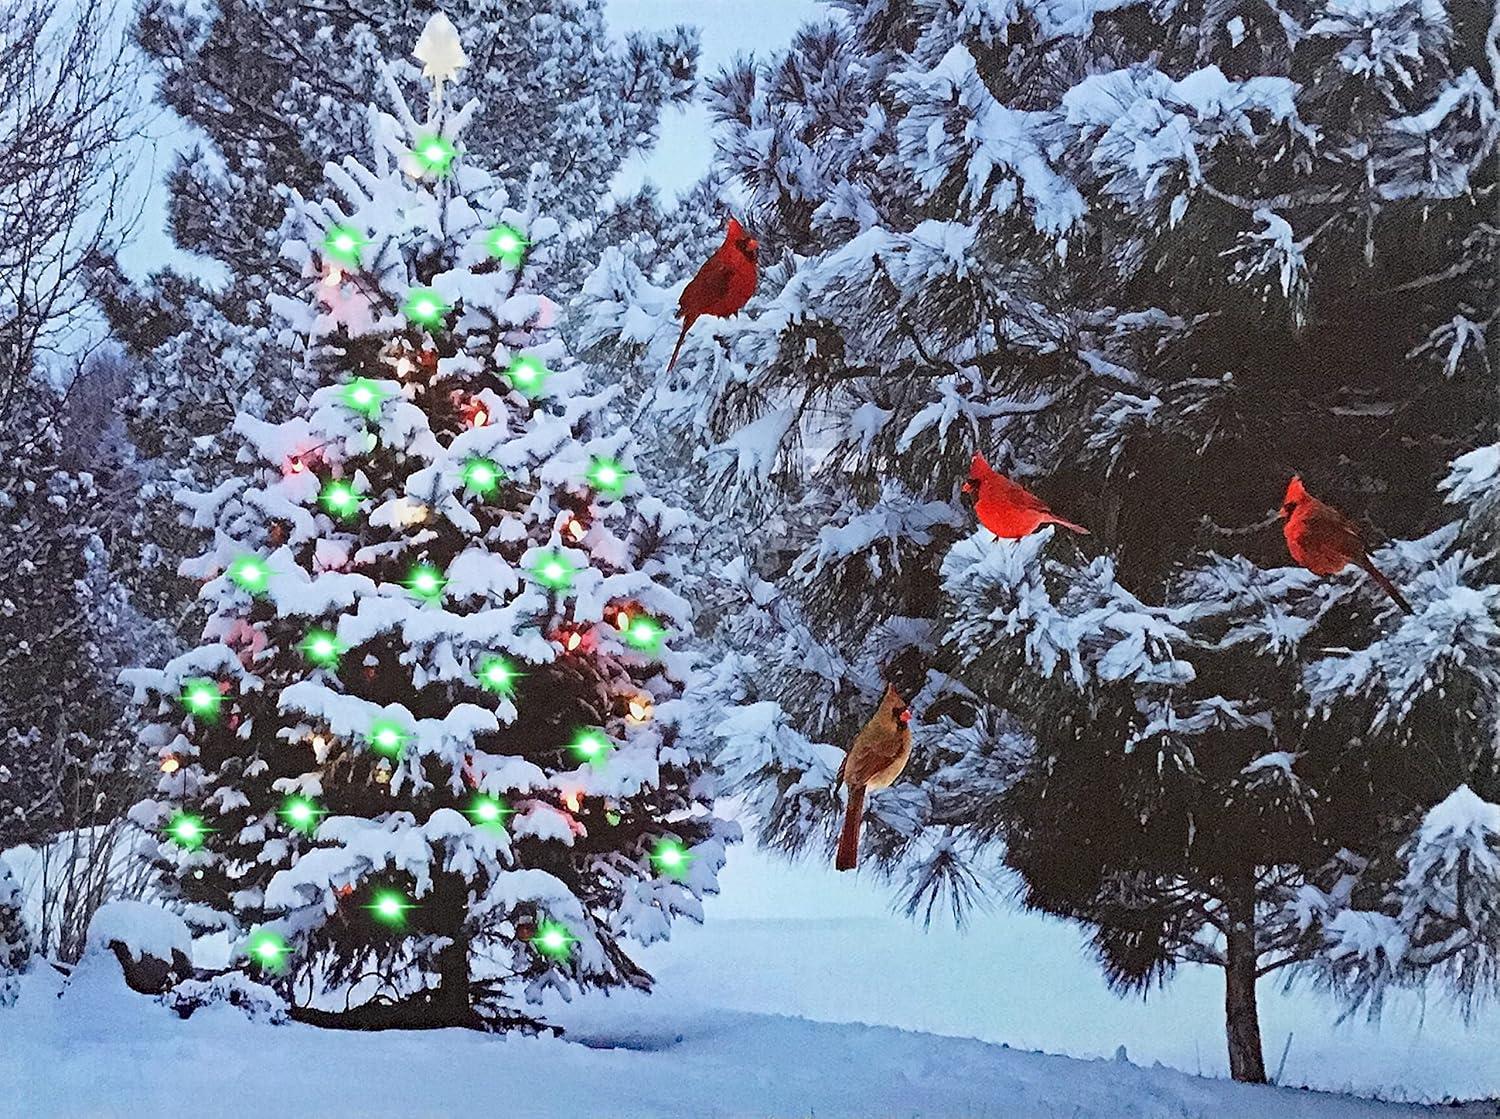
{"x":1007,"y":509}
{"x":722,"y":286}
{"x":875,"y":759}
{"x":1325,"y":541}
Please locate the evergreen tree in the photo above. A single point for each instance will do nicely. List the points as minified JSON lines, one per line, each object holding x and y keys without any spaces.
{"x":66,"y":748}
{"x":433,"y":728}
{"x":1152,"y":260}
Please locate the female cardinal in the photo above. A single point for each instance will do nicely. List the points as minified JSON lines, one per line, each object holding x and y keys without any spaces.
{"x":722,"y":286}
{"x":875,"y":759}
{"x":1008,"y":510}
{"x":1325,"y":541}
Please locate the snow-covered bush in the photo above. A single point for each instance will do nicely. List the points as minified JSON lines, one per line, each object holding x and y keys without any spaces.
{"x":255,"y":1001}
{"x":15,"y":937}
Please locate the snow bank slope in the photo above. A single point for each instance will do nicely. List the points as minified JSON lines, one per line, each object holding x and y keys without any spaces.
{"x":131,"y":1058}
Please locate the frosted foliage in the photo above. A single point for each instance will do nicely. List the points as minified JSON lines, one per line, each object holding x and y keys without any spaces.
{"x":1452,"y":645}
{"x":1095,"y":630}
{"x":1448,"y":906}
{"x":955,"y":121}
{"x":1385,"y":39}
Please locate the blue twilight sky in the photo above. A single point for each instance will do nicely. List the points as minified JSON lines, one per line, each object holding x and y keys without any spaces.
{"x":728,"y":28}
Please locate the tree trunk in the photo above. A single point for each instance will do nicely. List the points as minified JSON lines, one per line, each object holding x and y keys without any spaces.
{"x":450,"y":901}
{"x":1241,"y":1015}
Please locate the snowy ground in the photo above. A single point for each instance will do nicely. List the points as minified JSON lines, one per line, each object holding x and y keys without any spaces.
{"x":804,"y":940}
{"x":102,"y":1052}
{"x":754,"y":1016}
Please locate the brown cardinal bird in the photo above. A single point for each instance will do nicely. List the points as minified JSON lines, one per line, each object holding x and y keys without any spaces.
{"x":875,"y":759}
{"x":1008,"y":510}
{"x":722,"y":286}
{"x":1325,"y":541}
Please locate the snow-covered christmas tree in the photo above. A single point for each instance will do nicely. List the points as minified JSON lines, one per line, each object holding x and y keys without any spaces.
{"x":431,"y":734}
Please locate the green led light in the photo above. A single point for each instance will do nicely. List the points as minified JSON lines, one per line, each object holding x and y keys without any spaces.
{"x":644,"y":633}
{"x":344,"y":244}
{"x":387,"y":737}
{"x":498,"y":675}
{"x":591,"y":745}
{"x":322,"y":648}
{"x":269,"y":950}
{"x":554,"y":940}
{"x":552,"y":570}
{"x":202,"y":698}
{"x":389,"y":908}
{"x":340,"y":499}
{"x":434,"y":154}
{"x":482,"y":475}
{"x":527,"y":375}
{"x":488,"y":811}
{"x":426,"y":582}
{"x":187,"y":831}
{"x":671,"y":858}
{"x":364,"y":396}
{"x":607,"y":476}
{"x":507,"y":244}
{"x":250,"y":573}
{"x":300,"y":813}
{"x":425,"y":306}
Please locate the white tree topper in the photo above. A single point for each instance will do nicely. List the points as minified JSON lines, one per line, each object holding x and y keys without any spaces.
{"x":439,"y":51}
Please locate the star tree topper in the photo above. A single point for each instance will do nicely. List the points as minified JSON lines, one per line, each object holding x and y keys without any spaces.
{"x":439,"y":51}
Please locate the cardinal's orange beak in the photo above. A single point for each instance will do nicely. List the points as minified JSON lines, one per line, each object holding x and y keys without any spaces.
{"x":967,"y":487}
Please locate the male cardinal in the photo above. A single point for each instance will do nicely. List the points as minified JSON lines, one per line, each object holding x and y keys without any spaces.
{"x":1325,"y":541}
{"x":722,"y":286}
{"x":1009,"y":510}
{"x":875,"y":759}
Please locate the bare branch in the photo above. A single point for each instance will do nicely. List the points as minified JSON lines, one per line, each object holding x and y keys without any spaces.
{"x":68,"y":106}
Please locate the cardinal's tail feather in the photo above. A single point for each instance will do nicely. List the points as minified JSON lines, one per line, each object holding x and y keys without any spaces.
{"x":677,"y":349}
{"x":1053,"y":518}
{"x":854,"y":814}
{"x":1386,"y":585}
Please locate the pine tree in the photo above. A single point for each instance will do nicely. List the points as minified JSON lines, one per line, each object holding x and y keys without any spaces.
{"x":432,"y":731}
{"x":66,"y":748}
{"x":1152,"y":263}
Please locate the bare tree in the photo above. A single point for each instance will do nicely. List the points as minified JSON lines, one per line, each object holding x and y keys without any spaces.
{"x":68,"y":107}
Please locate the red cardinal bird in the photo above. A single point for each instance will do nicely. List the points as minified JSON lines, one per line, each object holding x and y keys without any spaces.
{"x":1008,"y":510}
{"x":876,"y":757}
{"x":722,"y":286}
{"x":1325,"y":541}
